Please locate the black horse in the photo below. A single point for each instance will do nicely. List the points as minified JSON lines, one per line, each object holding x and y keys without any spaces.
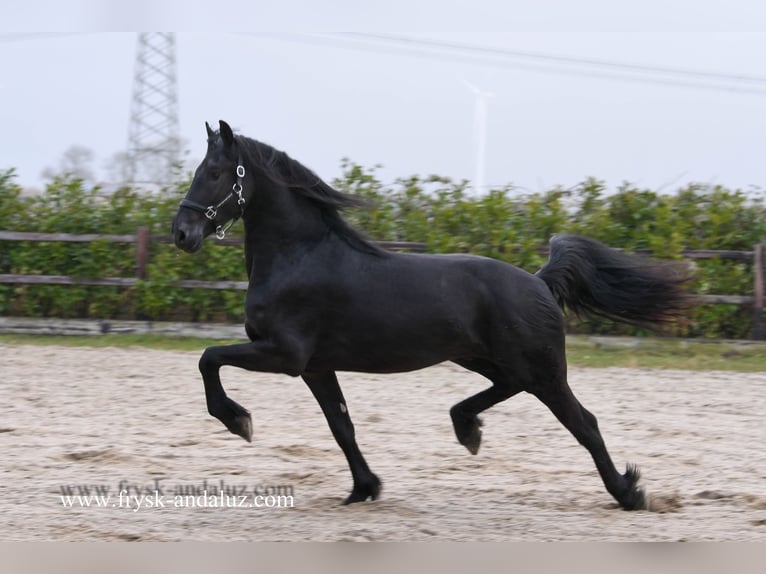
{"x":323,"y":298}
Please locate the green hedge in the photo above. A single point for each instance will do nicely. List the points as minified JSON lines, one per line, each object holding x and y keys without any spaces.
{"x":434,"y":210}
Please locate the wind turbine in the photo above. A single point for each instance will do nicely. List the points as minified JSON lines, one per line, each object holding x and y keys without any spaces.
{"x":480,"y":133}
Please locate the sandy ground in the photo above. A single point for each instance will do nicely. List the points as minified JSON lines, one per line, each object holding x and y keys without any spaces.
{"x":75,"y":418}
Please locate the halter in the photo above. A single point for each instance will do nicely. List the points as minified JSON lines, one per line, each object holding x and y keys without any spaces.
{"x":211,"y":211}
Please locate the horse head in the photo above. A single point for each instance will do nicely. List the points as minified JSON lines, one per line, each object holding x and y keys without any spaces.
{"x":214,"y":200}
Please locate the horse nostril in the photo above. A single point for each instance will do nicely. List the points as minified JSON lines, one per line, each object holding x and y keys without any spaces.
{"x":179,"y":237}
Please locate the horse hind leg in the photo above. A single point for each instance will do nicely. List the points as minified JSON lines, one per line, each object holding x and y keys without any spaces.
{"x":326,"y":390}
{"x":464,"y":414}
{"x":584,"y":427}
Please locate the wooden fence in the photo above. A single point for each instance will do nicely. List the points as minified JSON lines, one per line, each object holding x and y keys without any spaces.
{"x":142,"y":238}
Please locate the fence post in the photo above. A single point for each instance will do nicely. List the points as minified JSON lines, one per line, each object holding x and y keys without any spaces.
{"x":758,"y":292}
{"x":142,"y":251}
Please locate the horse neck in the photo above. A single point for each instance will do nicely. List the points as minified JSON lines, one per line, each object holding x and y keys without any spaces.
{"x":279,"y":221}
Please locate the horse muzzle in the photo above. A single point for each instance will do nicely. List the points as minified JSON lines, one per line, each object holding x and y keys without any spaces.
{"x":187,"y":233}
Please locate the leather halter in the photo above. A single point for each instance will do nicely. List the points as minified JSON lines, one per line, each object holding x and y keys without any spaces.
{"x":211,"y":211}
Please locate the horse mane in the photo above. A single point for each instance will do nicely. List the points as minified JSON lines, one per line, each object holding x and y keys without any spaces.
{"x":281,"y":169}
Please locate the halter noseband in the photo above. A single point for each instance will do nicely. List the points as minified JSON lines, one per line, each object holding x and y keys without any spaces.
{"x":211,"y":211}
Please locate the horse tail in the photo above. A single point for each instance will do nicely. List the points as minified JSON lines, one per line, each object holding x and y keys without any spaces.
{"x":590,"y":278}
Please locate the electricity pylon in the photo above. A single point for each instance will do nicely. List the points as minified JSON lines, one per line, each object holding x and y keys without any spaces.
{"x":153,"y":138}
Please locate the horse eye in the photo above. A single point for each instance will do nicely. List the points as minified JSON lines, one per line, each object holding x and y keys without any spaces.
{"x":214,"y":174}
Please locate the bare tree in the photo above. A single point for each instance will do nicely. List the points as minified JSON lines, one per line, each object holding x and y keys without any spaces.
{"x":77,"y":161}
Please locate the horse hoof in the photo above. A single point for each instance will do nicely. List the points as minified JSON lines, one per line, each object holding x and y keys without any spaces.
{"x":243,"y":426}
{"x":635,"y":500}
{"x":362,"y":492}
{"x":468,"y":433}
{"x":236,"y":418}
{"x":473,"y":441}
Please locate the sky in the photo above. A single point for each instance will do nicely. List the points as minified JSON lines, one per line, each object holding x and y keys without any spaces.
{"x":660,"y":94}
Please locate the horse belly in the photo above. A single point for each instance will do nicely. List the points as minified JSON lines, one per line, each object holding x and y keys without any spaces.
{"x":375,"y":361}
{"x":392,"y":343}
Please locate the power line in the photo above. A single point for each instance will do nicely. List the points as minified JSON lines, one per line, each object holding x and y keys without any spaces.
{"x":489,"y":55}
{"x":543,"y":57}
{"x":538,"y":62}
{"x":23,"y":36}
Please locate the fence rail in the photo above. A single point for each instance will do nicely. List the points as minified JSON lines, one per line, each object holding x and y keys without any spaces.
{"x":143,"y":239}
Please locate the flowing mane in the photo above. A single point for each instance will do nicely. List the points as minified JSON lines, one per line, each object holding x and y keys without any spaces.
{"x":281,"y":169}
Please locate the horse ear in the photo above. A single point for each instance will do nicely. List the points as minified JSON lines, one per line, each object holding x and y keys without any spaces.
{"x":210,"y":132}
{"x":226,"y":134}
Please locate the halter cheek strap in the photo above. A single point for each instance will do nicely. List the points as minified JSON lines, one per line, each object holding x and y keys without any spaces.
{"x":211,"y":211}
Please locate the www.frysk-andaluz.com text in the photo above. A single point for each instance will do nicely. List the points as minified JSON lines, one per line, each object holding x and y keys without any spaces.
{"x":208,"y":494}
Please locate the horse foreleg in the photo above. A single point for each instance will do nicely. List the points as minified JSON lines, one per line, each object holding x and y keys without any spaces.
{"x":326,"y":390}
{"x":255,"y":356}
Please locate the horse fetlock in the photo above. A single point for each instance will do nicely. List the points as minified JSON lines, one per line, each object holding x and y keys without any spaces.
{"x":633,"y":496}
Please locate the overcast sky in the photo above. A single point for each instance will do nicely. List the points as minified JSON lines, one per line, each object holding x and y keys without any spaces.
{"x":660,"y":94}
